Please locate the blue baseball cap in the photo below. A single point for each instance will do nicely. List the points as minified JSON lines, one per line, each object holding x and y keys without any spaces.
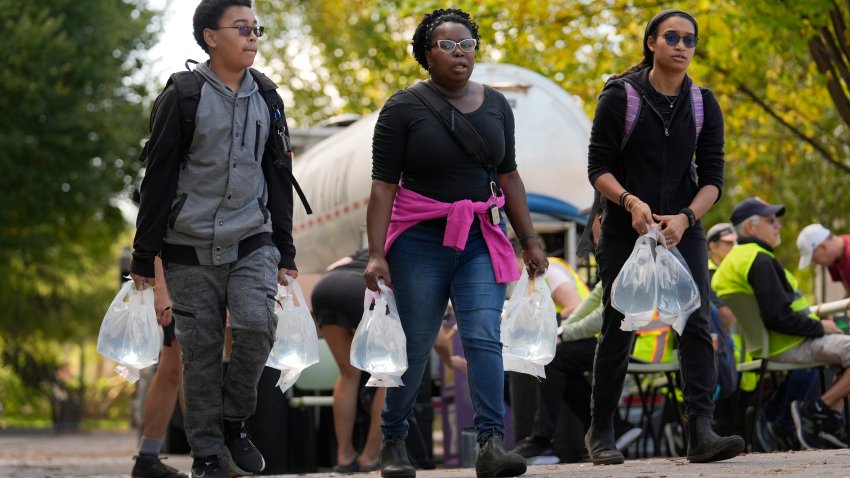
{"x":754,"y":206}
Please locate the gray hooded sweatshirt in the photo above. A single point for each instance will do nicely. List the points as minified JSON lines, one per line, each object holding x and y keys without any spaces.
{"x":222,"y":193}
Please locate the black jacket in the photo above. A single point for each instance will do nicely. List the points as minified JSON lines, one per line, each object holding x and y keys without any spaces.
{"x":159,"y":187}
{"x":654,"y":167}
{"x":775,"y":295}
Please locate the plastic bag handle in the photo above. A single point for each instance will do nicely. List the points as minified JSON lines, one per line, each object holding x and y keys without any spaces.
{"x":296,"y":288}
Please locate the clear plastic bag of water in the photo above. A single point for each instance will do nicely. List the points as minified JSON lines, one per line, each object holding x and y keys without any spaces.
{"x":678,"y":295}
{"x":529,"y":329}
{"x":379,"y":346}
{"x":129,"y":333}
{"x":296,"y":345}
{"x":635,"y":290}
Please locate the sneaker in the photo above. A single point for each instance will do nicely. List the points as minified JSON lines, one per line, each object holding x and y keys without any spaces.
{"x":242,"y":456}
{"x":675,"y":436}
{"x":806,"y":424}
{"x":208,"y":467}
{"x":764,"y":437}
{"x":833,"y":432}
{"x":628,"y":438}
{"x":149,"y":466}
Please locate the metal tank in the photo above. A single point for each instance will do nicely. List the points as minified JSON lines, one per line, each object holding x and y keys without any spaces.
{"x":552,"y":134}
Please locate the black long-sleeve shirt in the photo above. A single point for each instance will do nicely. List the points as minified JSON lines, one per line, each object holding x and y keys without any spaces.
{"x":775,"y":295}
{"x":655,"y":167}
{"x":413,"y":145}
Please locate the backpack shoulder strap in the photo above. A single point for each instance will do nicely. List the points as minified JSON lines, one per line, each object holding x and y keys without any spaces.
{"x":697,"y":108}
{"x":632,"y":112}
{"x":277,"y":119}
{"x":188,"y":85}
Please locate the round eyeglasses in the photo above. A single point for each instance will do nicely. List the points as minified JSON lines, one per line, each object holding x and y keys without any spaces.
{"x":448,"y":46}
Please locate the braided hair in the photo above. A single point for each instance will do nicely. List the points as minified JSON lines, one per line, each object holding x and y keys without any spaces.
{"x":422,"y":36}
{"x":651,"y":31}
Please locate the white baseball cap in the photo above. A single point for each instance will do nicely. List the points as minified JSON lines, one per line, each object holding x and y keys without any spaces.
{"x":809,"y":239}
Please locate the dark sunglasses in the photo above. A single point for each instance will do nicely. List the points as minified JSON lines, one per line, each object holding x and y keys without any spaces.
{"x":672,"y":39}
{"x":448,"y":46}
{"x":245,"y":30}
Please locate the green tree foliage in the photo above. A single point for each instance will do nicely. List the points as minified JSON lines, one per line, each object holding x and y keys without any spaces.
{"x":71,"y":94}
{"x":780,"y":69}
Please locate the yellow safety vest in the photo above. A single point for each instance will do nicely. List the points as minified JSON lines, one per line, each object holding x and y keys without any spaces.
{"x":731,"y":278}
{"x":653,"y":343}
{"x":581,"y":287}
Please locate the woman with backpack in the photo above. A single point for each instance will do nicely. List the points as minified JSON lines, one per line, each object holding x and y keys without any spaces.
{"x":663,"y":169}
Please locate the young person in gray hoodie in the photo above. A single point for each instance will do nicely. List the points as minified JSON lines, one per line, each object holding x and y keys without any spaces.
{"x":219,"y":213}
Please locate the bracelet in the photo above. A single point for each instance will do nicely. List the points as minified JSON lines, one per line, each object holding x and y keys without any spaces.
{"x":623,"y":197}
{"x":529,"y":236}
{"x":692,"y":218}
{"x":629,"y":209}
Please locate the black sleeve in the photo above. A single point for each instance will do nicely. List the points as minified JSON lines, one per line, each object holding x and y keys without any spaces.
{"x":709,"y":152}
{"x":508,"y":163}
{"x":606,"y":135}
{"x":277,"y":175}
{"x":388,"y":142}
{"x":159,"y":184}
{"x":774,"y":296}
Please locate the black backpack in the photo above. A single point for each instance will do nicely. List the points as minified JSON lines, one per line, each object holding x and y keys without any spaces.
{"x":724,"y":358}
{"x":188,"y":86}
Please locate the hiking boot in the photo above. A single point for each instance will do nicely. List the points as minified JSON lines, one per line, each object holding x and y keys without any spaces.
{"x":242,"y":456}
{"x":208,"y":467}
{"x":394,"y":460}
{"x":705,"y":446}
{"x":493,"y":460}
{"x":601,"y":445}
{"x":149,"y":466}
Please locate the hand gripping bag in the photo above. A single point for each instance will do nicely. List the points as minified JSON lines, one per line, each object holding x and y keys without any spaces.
{"x":529,"y":330}
{"x":379,"y":346}
{"x":678,"y":295}
{"x":634,"y":291}
{"x":129,"y":333}
{"x":296,"y":345}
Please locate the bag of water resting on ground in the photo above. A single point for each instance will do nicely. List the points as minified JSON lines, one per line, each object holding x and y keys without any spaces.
{"x":129,"y":333}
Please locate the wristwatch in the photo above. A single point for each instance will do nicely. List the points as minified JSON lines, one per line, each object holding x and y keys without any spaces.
{"x":692,"y":218}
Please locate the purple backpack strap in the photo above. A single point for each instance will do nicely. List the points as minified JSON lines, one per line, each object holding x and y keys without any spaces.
{"x":632,"y":112}
{"x":699,"y":111}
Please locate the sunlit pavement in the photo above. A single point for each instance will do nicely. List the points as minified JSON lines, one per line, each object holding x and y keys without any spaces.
{"x":102,"y":454}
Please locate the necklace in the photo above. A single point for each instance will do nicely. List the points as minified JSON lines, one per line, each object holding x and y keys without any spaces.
{"x":670,"y":102}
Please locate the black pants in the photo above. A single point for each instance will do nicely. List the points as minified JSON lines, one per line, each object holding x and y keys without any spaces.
{"x":696,"y":353}
{"x":565,"y":380}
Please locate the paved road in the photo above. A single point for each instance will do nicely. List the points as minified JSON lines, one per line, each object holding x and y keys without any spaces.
{"x":107,"y":454}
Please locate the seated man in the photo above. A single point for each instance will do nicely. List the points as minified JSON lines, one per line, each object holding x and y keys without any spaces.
{"x":796,"y":334}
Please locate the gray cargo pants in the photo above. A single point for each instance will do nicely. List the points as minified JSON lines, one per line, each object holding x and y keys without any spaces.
{"x":200,"y":296}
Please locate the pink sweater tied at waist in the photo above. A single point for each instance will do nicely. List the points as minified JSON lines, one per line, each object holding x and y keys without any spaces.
{"x":410,"y":208}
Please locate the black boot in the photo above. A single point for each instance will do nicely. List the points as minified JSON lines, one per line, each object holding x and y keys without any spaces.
{"x":394,"y":460}
{"x":706,"y":446}
{"x":494,"y":461}
{"x":600,"y":442}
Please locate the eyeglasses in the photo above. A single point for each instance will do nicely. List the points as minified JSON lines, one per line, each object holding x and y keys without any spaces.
{"x":448,"y":46}
{"x":245,"y":30}
{"x":770,"y":219}
{"x":672,"y":39}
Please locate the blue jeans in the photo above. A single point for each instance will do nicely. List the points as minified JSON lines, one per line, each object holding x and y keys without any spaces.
{"x":425,"y":275}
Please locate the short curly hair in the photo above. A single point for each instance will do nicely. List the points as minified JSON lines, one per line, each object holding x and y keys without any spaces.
{"x":422,"y":36}
{"x":208,"y":14}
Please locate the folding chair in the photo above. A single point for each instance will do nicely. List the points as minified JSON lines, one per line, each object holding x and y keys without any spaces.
{"x":756,"y":341}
